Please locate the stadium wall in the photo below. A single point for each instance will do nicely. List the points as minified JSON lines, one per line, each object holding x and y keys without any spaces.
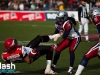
{"x":32,"y":15}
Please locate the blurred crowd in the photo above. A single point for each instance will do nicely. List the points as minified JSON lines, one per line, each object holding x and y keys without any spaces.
{"x":43,"y":4}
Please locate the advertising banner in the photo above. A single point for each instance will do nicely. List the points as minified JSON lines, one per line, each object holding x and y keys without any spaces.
{"x":4,"y":15}
{"x":22,"y":15}
{"x":32,"y":15}
{"x":51,"y":15}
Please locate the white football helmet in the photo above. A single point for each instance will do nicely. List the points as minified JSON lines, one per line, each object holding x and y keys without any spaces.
{"x":94,"y":11}
{"x":62,"y":16}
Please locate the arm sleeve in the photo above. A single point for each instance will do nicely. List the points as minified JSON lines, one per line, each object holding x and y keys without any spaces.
{"x":67,"y":27}
{"x":79,"y":13}
{"x":65,"y":34}
{"x":2,"y":56}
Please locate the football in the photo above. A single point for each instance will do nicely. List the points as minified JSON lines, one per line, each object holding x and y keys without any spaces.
{"x":32,"y":53}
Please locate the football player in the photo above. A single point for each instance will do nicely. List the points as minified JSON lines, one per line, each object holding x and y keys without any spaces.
{"x":70,"y":38}
{"x":58,"y":29}
{"x":31,"y":52}
{"x":94,"y":51}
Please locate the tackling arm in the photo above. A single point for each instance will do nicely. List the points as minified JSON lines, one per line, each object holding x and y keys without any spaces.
{"x":67,"y":27}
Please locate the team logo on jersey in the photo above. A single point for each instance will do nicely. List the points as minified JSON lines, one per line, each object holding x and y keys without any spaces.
{"x":13,"y":56}
{"x":7,"y":68}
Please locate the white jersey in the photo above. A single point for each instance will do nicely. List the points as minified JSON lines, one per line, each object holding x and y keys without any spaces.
{"x":84,"y":11}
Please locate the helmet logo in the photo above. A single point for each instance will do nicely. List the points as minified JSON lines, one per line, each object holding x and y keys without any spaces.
{"x":13,"y":43}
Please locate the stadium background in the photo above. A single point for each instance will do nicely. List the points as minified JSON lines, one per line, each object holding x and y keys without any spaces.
{"x":25,"y":31}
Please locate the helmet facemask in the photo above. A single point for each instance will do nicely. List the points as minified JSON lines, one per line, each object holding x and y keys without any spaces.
{"x":94,"y":11}
{"x":62,"y":16}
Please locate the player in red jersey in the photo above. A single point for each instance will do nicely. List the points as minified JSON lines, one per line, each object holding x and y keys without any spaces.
{"x":31,"y":52}
{"x":70,"y":38}
{"x":94,"y":51}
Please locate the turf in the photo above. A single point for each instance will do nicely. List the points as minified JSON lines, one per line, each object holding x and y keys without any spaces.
{"x":26,"y":31}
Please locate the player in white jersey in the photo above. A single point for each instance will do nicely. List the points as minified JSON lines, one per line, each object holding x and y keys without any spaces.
{"x":70,"y":38}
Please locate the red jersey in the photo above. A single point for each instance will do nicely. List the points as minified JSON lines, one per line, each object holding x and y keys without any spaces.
{"x":69,"y":30}
{"x":18,"y":54}
{"x":96,"y":20}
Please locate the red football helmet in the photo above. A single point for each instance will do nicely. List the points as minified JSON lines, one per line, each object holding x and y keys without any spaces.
{"x":10,"y":44}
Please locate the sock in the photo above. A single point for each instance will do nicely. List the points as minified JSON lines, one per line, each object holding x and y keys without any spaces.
{"x":82,"y":65}
{"x":84,"y":61}
{"x":56,"y":57}
{"x":86,"y":37}
{"x":48,"y":64}
{"x":72,"y":58}
{"x":79,"y":70}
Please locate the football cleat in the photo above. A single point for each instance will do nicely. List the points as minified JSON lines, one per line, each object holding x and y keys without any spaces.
{"x":76,"y":74}
{"x":69,"y":72}
{"x":50,"y":71}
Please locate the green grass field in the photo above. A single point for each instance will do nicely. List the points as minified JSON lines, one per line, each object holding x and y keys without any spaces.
{"x":26,"y":31}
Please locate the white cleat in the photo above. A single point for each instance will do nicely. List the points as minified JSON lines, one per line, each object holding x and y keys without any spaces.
{"x":50,"y":71}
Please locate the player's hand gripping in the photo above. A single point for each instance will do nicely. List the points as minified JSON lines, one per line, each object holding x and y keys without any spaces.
{"x":54,"y":46}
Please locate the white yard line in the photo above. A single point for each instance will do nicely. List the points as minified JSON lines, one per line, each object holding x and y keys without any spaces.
{"x":43,"y":26}
{"x":25,"y":42}
{"x":34,"y":25}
